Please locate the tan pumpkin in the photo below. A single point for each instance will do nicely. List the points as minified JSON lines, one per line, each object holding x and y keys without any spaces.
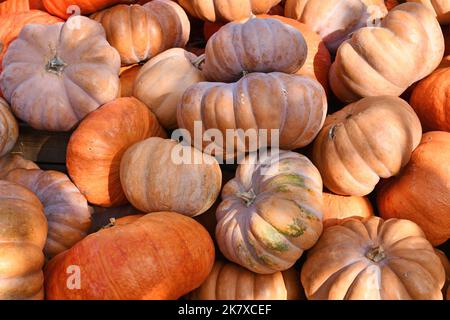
{"x":160,"y":174}
{"x":96,"y":148}
{"x":347,"y":17}
{"x":67,"y":211}
{"x":14,"y":161}
{"x":141,"y":32}
{"x":228,"y":281}
{"x":446,"y":264}
{"x":295,"y":106}
{"x":226,"y":10}
{"x":421,"y":193}
{"x":337,"y":209}
{"x":373,"y":260}
{"x":259,"y":45}
{"x":9,"y":129}
{"x":22,"y":237}
{"x":365,"y":141}
{"x":440,"y":7}
{"x":386,"y":60}
{"x":127,"y":78}
{"x":161,"y":88}
{"x":270,"y":212}
{"x":72,"y":71}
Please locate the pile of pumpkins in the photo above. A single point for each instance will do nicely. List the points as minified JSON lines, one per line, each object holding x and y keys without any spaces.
{"x":352,"y":207}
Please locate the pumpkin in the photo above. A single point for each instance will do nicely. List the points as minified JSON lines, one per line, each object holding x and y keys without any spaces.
{"x":22,"y":238}
{"x":338,"y":208}
{"x":270,"y":212}
{"x":295,"y":106}
{"x":373,"y":260}
{"x":65,"y":8}
{"x":421,"y":193}
{"x":440,"y":7}
{"x":365,"y":141}
{"x":96,"y":148}
{"x":67,"y":211}
{"x":73,"y":71}
{"x":386,"y":60}
{"x":259,"y":45}
{"x":141,"y":32}
{"x":14,"y":161}
{"x":348,"y":17}
{"x":161,"y":255}
{"x":146,"y":170}
{"x":14,"y":6}
{"x":228,"y":281}
{"x":9,"y":129}
{"x":429,"y":99}
{"x":226,"y":10}
{"x":161,"y":89}
{"x":446,"y":264}
{"x":127,"y":78}
{"x":390,"y":4}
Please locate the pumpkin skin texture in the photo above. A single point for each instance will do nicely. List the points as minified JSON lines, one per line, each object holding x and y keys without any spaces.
{"x":127,"y":78}
{"x":66,"y":209}
{"x":446,"y":264}
{"x":347,"y":17}
{"x":9,"y":129}
{"x":143,"y":262}
{"x":412,"y":39}
{"x":161,"y":89}
{"x":294,"y":105}
{"x":421,"y":193}
{"x":68,"y":75}
{"x":141,"y":32}
{"x":61,"y":8}
{"x":338,"y":208}
{"x":373,"y":260}
{"x":14,"y":161}
{"x":228,"y":281}
{"x":270,"y":212}
{"x":440,"y":7}
{"x":22,"y":238}
{"x":96,"y":148}
{"x":226,"y":10}
{"x":14,"y":6}
{"x":145,"y":172}
{"x":365,"y":141}
{"x":259,"y":45}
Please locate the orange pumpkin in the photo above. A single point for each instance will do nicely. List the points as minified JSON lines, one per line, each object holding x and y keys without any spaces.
{"x":14,"y":6}
{"x":65,"y":8}
{"x":142,"y":259}
{"x":9,"y":129}
{"x":96,"y":148}
{"x":127,"y":78}
{"x":421,"y":193}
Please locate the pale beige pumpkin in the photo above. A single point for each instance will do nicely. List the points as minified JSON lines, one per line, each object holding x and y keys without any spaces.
{"x":440,"y":7}
{"x":14,"y":161}
{"x":160,"y":174}
{"x":365,"y":141}
{"x":270,"y":212}
{"x":162,"y":81}
{"x":386,"y":60}
{"x":228,"y":281}
{"x":259,"y":45}
{"x":373,"y":260}
{"x":9,"y":129}
{"x":66,"y":209}
{"x":141,"y":32}
{"x":22,"y":238}
{"x":55,"y":75}
{"x":294,"y":105}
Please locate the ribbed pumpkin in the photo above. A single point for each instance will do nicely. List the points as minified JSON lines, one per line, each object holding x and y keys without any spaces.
{"x":67,"y":211}
{"x":14,"y":161}
{"x":141,"y":32}
{"x":440,"y":7}
{"x":226,"y":10}
{"x":228,"y":281}
{"x":127,"y":78}
{"x":65,"y":8}
{"x":270,"y":212}
{"x":96,"y":148}
{"x":365,"y":141}
{"x":160,"y":174}
{"x":421,"y":193}
{"x":141,"y":259}
{"x":386,"y":60}
{"x":259,"y":45}
{"x":294,"y":105}
{"x":72,"y":71}
{"x":22,"y":238}
{"x":373,"y":260}
{"x":446,"y":264}
{"x":14,"y":6}
{"x":9,"y":129}
{"x":162,"y":81}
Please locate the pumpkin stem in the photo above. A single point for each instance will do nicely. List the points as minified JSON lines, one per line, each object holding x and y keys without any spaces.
{"x":112,"y":223}
{"x":198,"y":63}
{"x":56,"y":65}
{"x":248,"y":197}
{"x":376,"y":254}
